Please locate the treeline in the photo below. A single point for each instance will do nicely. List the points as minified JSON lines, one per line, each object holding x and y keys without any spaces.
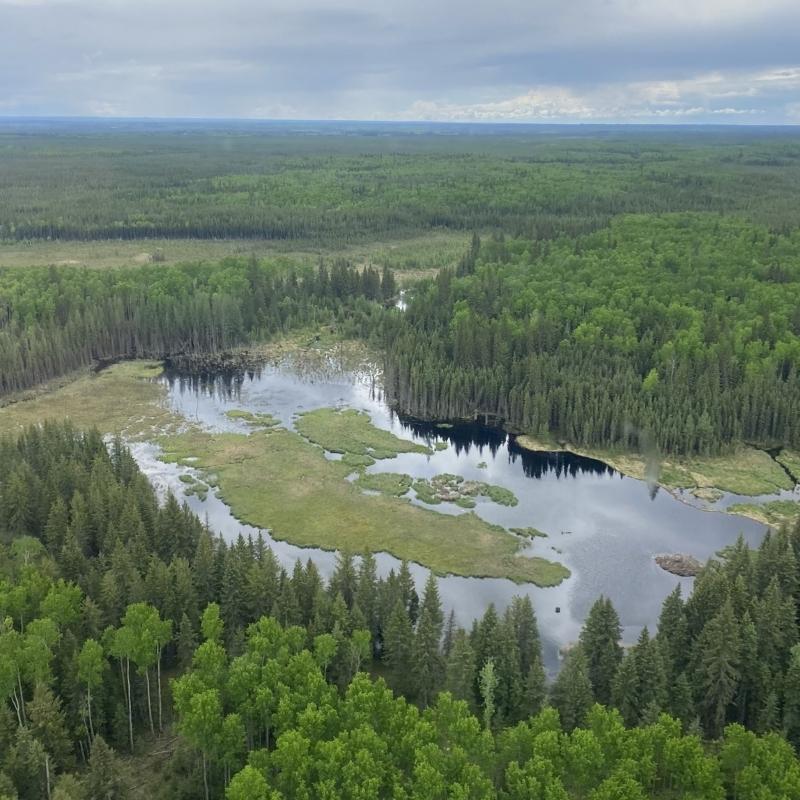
{"x":353,"y":185}
{"x":366,"y":743}
{"x":680,"y":333}
{"x":54,"y":320}
{"x":107,"y":597}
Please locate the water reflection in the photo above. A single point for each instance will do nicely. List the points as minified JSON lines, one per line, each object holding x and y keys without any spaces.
{"x":605,"y":527}
{"x":466,"y":436}
{"x":463,"y":436}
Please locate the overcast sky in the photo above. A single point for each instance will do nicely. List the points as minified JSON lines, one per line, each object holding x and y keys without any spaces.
{"x":504,"y":60}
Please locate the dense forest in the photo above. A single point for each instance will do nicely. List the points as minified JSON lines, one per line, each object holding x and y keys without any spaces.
{"x":331,"y":183}
{"x":636,"y":290}
{"x":54,"y":320}
{"x":680,"y":332}
{"x":648,"y":298}
{"x":129,"y":628}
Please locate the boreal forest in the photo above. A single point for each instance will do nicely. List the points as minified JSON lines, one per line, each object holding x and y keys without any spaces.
{"x":202,"y":594}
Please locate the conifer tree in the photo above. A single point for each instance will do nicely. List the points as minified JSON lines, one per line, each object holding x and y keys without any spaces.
{"x":460,"y":672}
{"x":719,"y":660}
{"x":791,"y":699}
{"x":427,"y":659}
{"x":398,"y":644}
{"x":487,"y":681}
{"x":672,"y":634}
{"x":105,"y":777}
{"x":600,"y":643}
{"x":49,"y":726}
{"x":534,"y":690}
{"x":571,"y":692}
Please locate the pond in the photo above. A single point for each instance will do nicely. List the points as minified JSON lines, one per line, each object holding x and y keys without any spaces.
{"x":605,"y":527}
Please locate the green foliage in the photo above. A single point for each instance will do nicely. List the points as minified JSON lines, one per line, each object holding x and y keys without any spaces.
{"x":385,"y":482}
{"x":366,"y":742}
{"x":678,"y":332}
{"x":57,"y":319}
{"x":447,"y":487}
{"x":600,"y":642}
{"x":273,"y":182}
{"x":276,"y":701}
{"x":571,"y":693}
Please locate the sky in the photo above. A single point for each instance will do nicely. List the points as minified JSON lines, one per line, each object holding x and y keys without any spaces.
{"x":591,"y":61}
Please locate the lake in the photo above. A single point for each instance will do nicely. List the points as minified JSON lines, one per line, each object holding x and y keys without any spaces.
{"x":605,"y":527}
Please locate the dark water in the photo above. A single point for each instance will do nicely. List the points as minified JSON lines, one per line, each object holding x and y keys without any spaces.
{"x":602,"y":525}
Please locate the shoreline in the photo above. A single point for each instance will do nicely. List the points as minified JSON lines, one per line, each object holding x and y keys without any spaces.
{"x":634,"y":466}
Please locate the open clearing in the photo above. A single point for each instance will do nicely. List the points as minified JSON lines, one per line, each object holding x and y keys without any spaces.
{"x":351,"y":431}
{"x":121,"y":399}
{"x":419,"y":255}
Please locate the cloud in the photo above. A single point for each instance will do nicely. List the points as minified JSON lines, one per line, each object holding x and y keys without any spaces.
{"x":701,"y":96}
{"x":395,"y":59}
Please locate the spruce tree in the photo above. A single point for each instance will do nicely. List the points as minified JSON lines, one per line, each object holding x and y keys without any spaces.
{"x":450,"y":629}
{"x":650,"y":677}
{"x":672,"y":634}
{"x":49,"y":726}
{"x":105,"y":777}
{"x":571,"y":692}
{"x":487,"y":681}
{"x":718,"y":674}
{"x":366,"y":596}
{"x":427,"y":659}
{"x":534,"y":691}
{"x":600,"y":643}
{"x":527,"y":633}
{"x":398,"y":643}
{"x":625,"y":690}
{"x":791,"y":699}
{"x":460,"y":672}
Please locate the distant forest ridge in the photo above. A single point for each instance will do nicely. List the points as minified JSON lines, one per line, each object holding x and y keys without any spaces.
{"x":339,"y":182}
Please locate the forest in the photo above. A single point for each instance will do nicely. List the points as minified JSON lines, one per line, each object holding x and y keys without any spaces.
{"x":676,"y":332}
{"x":624,"y":291}
{"x":679,"y":333}
{"x":132,"y":635}
{"x":333,"y":183}
{"x":58,"y":319}
{"x":630,"y":289}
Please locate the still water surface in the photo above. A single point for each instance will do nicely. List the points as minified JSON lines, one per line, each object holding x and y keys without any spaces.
{"x":602,"y":525}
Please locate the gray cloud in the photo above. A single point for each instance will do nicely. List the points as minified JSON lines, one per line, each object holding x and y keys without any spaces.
{"x":600,"y":60}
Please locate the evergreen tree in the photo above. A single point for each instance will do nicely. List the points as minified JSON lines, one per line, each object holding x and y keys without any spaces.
{"x":398,"y":643}
{"x":534,"y":690}
{"x":791,"y":699}
{"x":427,"y":659}
{"x":718,"y":675}
{"x":105,"y":777}
{"x":600,"y":643}
{"x":460,"y":673}
{"x":651,"y":682}
{"x":186,"y":642}
{"x":487,"y":680}
{"x":366,"y":596}
{"x":571,"y":692}
{"x":49,"y":726}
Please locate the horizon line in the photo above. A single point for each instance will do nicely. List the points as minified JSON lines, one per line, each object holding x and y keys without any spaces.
{"x":356,"y":121}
